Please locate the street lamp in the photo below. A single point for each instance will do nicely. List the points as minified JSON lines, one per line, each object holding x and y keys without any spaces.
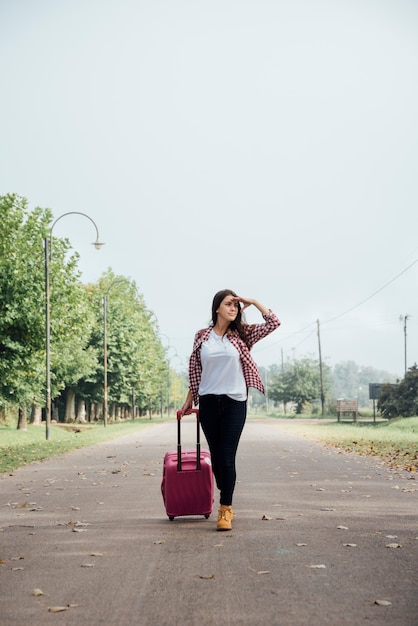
{"x":48,"y":249}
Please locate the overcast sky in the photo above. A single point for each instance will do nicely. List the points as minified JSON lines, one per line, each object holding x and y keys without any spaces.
{"x":267,"y":146}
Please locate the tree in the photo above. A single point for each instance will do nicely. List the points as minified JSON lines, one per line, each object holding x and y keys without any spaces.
{"x":136,"y":364}
{"x":22,"y":308}
{"x":401,"y":400}
{"x":298,"y":382}
{"x":22,"y":322}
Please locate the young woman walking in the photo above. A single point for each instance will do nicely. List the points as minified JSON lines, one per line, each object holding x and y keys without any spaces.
{"x":221,"y":369}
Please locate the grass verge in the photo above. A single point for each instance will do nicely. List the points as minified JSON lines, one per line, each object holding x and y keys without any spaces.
{"x":20,"y":447}
{"x":395,"y":442}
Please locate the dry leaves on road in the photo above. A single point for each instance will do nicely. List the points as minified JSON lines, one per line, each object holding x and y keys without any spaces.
{"x":38,"y":592}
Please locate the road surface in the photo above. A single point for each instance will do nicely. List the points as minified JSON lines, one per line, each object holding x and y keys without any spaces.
{"x":319,"y":538}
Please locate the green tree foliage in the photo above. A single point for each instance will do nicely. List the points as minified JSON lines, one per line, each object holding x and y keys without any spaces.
{"x":136,"y":363}
{"x":401,"y":400}
{"x":22,"y":308}
{"x":297,"y":382}
{"x":72,"y":319}
{"x":22,"y":321}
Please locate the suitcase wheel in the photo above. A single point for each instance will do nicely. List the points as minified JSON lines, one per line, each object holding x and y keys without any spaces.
{"x":207,"y":516}
{"x":171,"y":517}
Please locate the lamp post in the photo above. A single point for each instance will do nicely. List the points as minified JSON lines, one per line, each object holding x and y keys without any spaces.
{"x":48,"y":248}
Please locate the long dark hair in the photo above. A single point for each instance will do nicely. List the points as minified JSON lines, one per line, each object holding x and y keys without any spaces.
{"x":238,"y":325}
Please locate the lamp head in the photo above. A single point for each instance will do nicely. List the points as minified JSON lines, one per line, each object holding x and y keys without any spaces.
{"x":98,"y":244}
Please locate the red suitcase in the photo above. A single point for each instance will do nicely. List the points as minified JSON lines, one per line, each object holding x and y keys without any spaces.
{"x":187,"y":483}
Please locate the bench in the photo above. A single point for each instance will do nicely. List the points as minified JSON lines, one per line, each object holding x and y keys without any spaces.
{"x":347,"y":406}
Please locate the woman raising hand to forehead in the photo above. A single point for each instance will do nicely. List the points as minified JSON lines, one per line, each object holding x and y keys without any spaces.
{"x":221,"y":369}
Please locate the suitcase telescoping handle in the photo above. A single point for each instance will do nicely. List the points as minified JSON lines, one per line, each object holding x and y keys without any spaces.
{"x":179,"y":416}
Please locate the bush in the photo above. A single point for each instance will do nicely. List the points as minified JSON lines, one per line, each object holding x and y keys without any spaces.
{"x":402,"y":400}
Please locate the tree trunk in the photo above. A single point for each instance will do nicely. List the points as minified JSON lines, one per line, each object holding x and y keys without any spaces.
{"x":70,"y":406}
{"x":22,"y":421}
{"x":55,"y":418}
{"x":3,"y":416}
{"x":94,"y":415}
{"x":81,"y":412}
{"x":36,"y":415}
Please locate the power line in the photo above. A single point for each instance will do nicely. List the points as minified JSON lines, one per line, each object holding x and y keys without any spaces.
{"x":332,"y":319}
{"x":336,"y":317}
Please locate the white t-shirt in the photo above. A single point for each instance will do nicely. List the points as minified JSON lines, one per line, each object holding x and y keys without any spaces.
{"x":221,"y":369}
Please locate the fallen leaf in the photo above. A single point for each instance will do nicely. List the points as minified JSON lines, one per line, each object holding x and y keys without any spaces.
{"x":57,"y":609}
{"x":266,"y":517}
{"x":37,"y":592}
{"x":393,"y":545}
{"x":383,"y":602}
{"x":317,"y":566}
{"x":96,"y":554}
{"x":350,"y":545}
{"x":210,"y":577}
{"x":342,"y":527}
{"x":391,"y":536}
{"x":265,"y":571}
{"x":301,"y":545}
{"x":327,"y":508}
{"x":17,"y":569}
{"x":87,"y":565}
{"x":159,"y":541}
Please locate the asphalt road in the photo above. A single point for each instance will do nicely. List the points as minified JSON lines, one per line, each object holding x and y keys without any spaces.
{"x":319,"y":538}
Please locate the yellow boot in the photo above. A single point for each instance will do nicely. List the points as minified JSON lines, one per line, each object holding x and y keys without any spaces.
{"x":225,"y":516}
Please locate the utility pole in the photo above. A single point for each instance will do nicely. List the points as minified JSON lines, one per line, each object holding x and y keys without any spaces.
{"x":405,"y":318}
{"x":320,"y":371}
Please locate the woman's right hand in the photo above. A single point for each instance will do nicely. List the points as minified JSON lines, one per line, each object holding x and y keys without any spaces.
{"x":188,"y":404}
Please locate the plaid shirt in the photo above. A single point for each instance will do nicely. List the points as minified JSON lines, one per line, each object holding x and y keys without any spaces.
{"x":254,"y":332}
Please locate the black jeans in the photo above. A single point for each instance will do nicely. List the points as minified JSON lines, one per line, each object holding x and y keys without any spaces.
{"x":222,"y":420}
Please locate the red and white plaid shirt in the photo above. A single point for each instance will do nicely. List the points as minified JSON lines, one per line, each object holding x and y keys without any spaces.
{"x":254,"y":332}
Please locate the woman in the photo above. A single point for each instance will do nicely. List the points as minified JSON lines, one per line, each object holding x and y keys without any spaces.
{"x":220,"y":371}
